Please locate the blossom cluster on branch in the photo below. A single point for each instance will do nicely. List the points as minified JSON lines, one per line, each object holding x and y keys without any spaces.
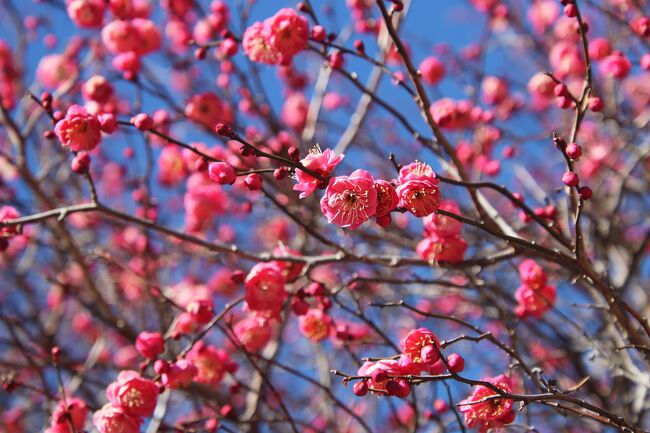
{"x":328,"y":216}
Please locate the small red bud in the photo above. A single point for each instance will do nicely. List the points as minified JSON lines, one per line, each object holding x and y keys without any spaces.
{"x":560,"y":90}
{"x":456,"y":363}
{"x":440,"y":406}
{"x":56,"y":354}
{"x":142,"y":121}
{"x":336,"y":60}
{"x":201,"y":164}
{"x":294,"y":154}
{"x":563,"y":102}
{"x":253,"y":182}
{"x":229,"y":47}
{"x":49,"y":134}
{"x":46,"y":97}
{"x":315,"y":289}
{"x":211,"y":425}
{"x":80,"y":163}
{"x":585,"y":192}
{"x":299,"y":307}
{"x":280,"y":173}
{"x":245,"y":150}
{"x":596,"y":104}
{"x":200,"y":53}
{"x":360,"y":388}
{"x":318,"y":33}
{"x":574,"y":151}
{"x":225,"y":410}
{"x":379,"y":376}
{"x":359,"y":46}
{"x":237,"y":276}
{"x":570,"y":178}
{"x":570,"y":10}
{"x":551,"y":211}
{"x":224,"y":130}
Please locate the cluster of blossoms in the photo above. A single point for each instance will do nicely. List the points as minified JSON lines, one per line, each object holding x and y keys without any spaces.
{"x":71,"y":411}
{"x":266,"y":292}
{"x":351,"y":200}
{"x":420,"y":353}
{"x":7,"y":213}
{"x":485,"y":412}
{"x":131,"y":398}
{"x":534,"y":297}
{"x":129,"y":36}
{"x":207,"y":109}
{"x":277,"y":39}
{"x":457,"y":115}
{"x":8,"y":76}
{"x":81,"y":131}
{"x":443,"y":240}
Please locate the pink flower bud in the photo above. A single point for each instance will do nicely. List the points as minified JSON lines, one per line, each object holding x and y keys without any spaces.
{"x":432,"y":70}
{"x":80,"y":162}
{"x":318,"y":33}
{"x":336,"y":60}
{"x":570,"y":178}
{"x":150,"y":344}
{"x":253,"y":181}
{"x":440,"y":406}
{"x":222,"y":173}
{"x":585,"y":192}
{"x":107,"y":123}
{"x":360,"y":388}
{"x":596,"y":104}
{"x":142,"y":121}
{"x":574,"y":151}
{"x":456,"y":363}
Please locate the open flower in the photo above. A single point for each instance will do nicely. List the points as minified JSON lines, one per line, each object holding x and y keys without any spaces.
{"x":387,"y":198}
{"x":211,"y":363}
{"x":79,"y":130}
{"x":350,"y":200}
{"x":72,"y":410}
{"x":322,"y":163}
{"x":443,"y":225}
{"x":287,"y":32}
{"x":86,"y":13}
{"x":492,"y":413}
{"x":532,"y":274}
{"x":134,"y":394}
{"x":208,"y":109}
{"x":265,"y":287}
{"x":534,"y":302}
{"x":113,"y":419}
{"x":8,"y":213}
{"x":315,"y":325}
{"x":421,"y":346}
{"x":257,"y":47}
{"x":253,"y":332}
{"x":418,"y":191}
{"x":437,"y":248}
{"x":277,"y":39}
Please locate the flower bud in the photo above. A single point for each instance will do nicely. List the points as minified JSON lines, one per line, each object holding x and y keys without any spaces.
{"x":570,"y":178}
